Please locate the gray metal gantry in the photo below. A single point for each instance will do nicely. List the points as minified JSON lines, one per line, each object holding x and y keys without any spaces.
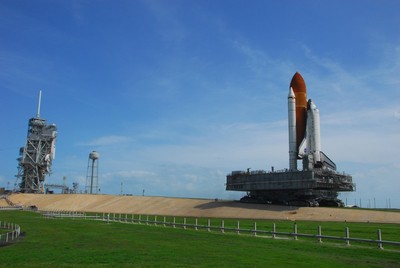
{"x":304,"y":188}
{"x":37,"y":155}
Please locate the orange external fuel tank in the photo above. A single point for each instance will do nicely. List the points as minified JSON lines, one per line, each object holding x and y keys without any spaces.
{"x":299,"y":88}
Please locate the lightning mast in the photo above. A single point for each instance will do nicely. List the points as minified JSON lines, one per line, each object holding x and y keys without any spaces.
{"x":37,"y":155}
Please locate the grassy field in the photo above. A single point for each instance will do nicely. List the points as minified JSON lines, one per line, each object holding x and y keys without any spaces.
{"x":73,"y":242}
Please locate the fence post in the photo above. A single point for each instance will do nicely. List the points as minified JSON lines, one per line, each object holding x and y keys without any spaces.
{"x":184,"y":223}
{"x":147,"y":219}
{"x":380,"y":239}
{"x":209,"y":225}
{"x":238,"y":227}
{"x":173,"y":224}
{"x":195,"y":226}
{"x":140,"y":219}
{"x":222,"y":226}
{"x":164,"y":221}
{"x":126,"y":217}
{"x":319,"y":234}
{"x":155,"y":220}
{"x":347,"y":236}
{"x":7,"y":237}
{"x":273,"y":230}
{"x":133,"y":218}
{"x":108,"y":218}
{"x":255,"y":229}
{"x":295,"y":231}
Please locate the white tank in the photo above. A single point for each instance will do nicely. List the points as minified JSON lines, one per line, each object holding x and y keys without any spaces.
{"x":94,"y":155}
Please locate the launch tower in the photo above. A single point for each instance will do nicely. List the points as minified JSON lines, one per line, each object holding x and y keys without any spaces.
{"x":318,"y":183}
{"x":37,"y":155}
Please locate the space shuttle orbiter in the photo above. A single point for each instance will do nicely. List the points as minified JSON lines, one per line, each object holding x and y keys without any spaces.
{"x":304,"y":129}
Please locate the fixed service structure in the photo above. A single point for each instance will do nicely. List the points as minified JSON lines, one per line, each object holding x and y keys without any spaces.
{"x":37,"y":155}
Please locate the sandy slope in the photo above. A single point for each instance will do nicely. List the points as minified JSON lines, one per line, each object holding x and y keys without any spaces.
{"x":3,"y":203}
{"x":195,"y":208}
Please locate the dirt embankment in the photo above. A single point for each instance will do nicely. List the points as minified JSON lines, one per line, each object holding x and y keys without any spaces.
{"x":196,"y":208}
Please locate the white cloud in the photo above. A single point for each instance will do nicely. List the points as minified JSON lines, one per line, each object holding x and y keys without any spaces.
{"x":397,"y":113}
{"x":106,"y":140}
{"x":134,"y":174}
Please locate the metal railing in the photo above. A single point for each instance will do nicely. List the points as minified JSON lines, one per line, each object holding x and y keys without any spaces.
{"x":162,"y":221}
{"x":11,"y":208}
{"x":13,"y":232}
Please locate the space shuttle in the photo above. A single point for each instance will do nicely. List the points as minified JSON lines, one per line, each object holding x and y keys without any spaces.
{"x":304,"y":129}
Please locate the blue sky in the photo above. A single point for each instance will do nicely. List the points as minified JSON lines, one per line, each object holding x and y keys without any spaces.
{"x":176,"y":94}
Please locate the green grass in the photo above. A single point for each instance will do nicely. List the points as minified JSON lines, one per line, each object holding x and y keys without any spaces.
{"x":78,"y":243}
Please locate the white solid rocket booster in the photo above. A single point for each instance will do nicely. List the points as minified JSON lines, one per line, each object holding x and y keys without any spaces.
{"x":292,"y":130}
{"x":313,"y":132}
